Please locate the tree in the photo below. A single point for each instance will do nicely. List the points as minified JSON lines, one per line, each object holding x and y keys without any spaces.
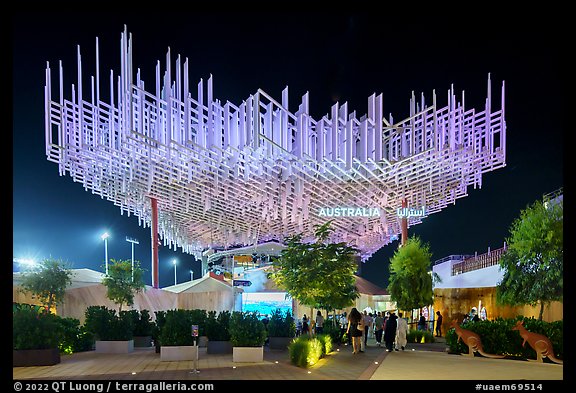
{"x":318,"y":274}
{"x":533,"y":260}
{"x":410,"y":284}
{"x":122,"y":283}
{"x":48,"y":282}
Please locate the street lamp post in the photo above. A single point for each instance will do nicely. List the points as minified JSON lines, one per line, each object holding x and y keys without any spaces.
{"x":104,"y":237}
{"x":191,"y":275}
{"x":133,"y":241}
{"x":174,"y":262}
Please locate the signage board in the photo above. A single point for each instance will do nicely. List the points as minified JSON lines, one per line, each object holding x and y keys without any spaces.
{"x":242,"y":283}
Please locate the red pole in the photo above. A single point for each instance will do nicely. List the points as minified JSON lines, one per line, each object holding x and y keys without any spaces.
{"x":404,"y":223}
{"x":154,"y":235}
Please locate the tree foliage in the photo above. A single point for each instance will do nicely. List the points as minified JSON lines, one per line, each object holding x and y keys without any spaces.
{"x":533,"y":261}
{"x":317,"y":274}
{"x":48,"y":282}
{"x":410,"y":276}
{"x":121,"y":284}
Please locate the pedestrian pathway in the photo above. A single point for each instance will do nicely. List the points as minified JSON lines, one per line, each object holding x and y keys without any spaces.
{"x":418,"y":361}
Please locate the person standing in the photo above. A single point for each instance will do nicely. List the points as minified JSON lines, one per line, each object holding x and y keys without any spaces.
{"x":422,"y":322}
{"x":298,"y":327}
{"x":367,"y":325}
{"x":438,"y":324}
{"x":379,"y":326}
{"x":353,"y":330}
{"x":319,"y":323}
{"x":362,"y":328}
{"x":343,"y":326}
{"x":305,"y":326}
{"x":390,"y":332}
{"x":401,"y":332}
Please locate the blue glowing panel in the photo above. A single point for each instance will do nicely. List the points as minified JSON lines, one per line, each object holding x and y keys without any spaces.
{"x":265,"y":303}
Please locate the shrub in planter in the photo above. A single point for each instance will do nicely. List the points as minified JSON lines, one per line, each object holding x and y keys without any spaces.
{"x":36,"y":335}
{"x":305,"y":351}
{"x":218,"y":332}
{"x":35,"y":329}
{"x":107,"y":326}
{"x":176,"y":340}
{"x":157,"y":328}
{"x":142,"y":326}
{"x":326,"y":342}
{"x":75,"y":338}
{"x":247,"y":334}
{"x":281,"y":329}
{"x":281,"y":324}
{"x":246,"y":330}
{"x":177,"y":329}
{"x":217,"y":326}
{"x":334,"y":332}
{"x":415,"y":336}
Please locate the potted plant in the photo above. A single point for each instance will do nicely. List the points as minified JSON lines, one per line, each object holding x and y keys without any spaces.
{"x":218,"y":333}
{"x":247,"y":334}
{"x":141,"y":328}
{"x":113,"y":333}
{"x":36,"y":334}
{"x":176,"y":340}
{"x":281,"y":329}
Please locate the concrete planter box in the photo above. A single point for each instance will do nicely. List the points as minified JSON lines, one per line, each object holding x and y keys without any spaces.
{"x":215,"y":347}
{"x":142,"y":341}
{"x":279,"y":342}
{"x":35,"y":357}
{"x":177,"y":353}
{"x":248,"y":354}
{"x":114,"y":346}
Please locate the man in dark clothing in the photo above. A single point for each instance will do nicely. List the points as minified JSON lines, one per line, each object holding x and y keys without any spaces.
{"x":422,"y":322}
{"x":390,"y":332}
{"x":438,"y":324}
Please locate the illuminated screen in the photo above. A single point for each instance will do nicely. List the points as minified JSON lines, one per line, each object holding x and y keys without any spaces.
{"x":265,"y":303}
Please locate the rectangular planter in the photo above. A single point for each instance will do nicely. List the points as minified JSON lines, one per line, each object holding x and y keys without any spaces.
{"x":114,"y":346}
{"x":35,"y":357}
{"x":177,"y":353}
{"x":142,"y":341}
{"x":248,"y":354}
{"x":215,"y":347}
{"x":279,"y":342}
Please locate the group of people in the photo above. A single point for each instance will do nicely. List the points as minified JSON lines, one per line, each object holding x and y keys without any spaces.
{"x":389,"y":326}
{"x":438,"y":329}
{"x":310,"y":327}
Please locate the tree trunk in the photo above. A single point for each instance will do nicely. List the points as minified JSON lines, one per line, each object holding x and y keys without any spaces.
{"x":541,"y":310}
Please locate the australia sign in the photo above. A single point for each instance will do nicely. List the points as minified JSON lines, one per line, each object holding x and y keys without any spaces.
{"x":349,"y":212}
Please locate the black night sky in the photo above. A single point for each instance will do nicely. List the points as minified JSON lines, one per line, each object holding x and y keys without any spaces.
{"x":336,"y":57}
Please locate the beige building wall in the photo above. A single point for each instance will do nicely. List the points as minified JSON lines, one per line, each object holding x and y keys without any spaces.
{"x":454,"y":303}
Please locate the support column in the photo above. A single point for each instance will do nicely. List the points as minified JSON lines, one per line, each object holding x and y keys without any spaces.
{"x":154,"y":236}
{"x":404,"y":223}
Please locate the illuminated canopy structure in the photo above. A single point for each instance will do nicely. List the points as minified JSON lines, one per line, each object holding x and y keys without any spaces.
{"x":227,"y":174}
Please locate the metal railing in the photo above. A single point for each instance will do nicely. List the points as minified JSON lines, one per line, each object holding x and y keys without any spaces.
{"x":482,"y":261}
{"x":452,"y":258}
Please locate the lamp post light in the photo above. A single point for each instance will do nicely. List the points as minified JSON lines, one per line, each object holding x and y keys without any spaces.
{"x":104,"y":237}
{"x":174,"y":262}
{"x":191,"y":275}
{"x":133,"y":241}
